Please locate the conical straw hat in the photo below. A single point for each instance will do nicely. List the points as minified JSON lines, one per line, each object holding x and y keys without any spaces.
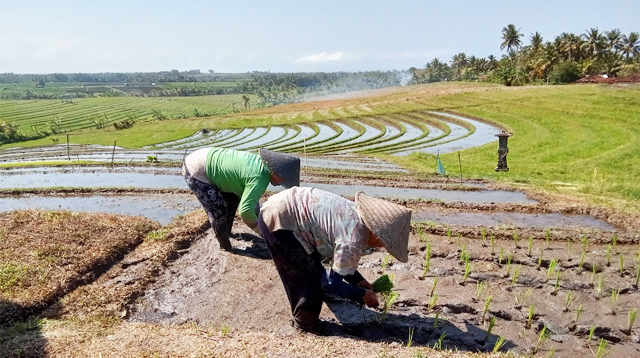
{"x":390,"y":222}
{"x":285,"y":166}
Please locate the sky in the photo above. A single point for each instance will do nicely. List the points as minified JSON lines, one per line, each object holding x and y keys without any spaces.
{"x":91,"y":36}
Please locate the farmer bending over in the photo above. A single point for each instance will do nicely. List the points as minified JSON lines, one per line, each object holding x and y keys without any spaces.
{"x":301,"y":226}
{"x":225,"y":179}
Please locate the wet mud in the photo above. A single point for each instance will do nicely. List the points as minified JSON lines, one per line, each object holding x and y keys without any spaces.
{"x":241,"y":289}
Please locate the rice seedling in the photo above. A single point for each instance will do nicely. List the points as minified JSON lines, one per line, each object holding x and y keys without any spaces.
{"x":410,"y":339}
{"x":498,"y":345}
{"x":542,"y":338}
{"x":556,"y":285}
{"x":481,"y":286}
{"x":579,"y":311}
{"x":551,"y":269}
{"x":637,"y":275}
{"x":581,"y":262}
{"x":614,"y":300}
{"x":389,"y":299}
{"x":551,"y":353}
{"x":492,"y":323}
{"x":487,"y":302}
{"x":500,"y":255}
{"x":607,"y":255}
{"x":568,"y":301}
{"x":529,"y":245}
{"x":458,"y":240}
{"x":383,"y":284}
{"x":438,"y":344}
{"x":540,"y":257}
{"x":427,"y":260}
{"x":599,"y":286}
{"x":435,"y":320}
{"x":530,"y":316}
{"x":516,"y":274}
{"x":516,"y":239}
{"x":464,"y":253}
{"x":484,"y":237}
{"x":614,"y":241}
{"x":547,"y":237}
{"x":467,"y":270}
{"x":449,"y":235}
{"x":493,"y":243}
{"x":509,"y":258}
{"x":385,"y":262}
{"x":585,"y":243}
{"x":433,"y":302}
{"x":422,"y":235}
{"x":522,"y":297}
{"x":433,"y":287}
{"x":621,"y":265}
{"x":590,"y":336}
{"x":225,"y":329}
{"x":631,"y":318}
{"x":602,"y":349}
{"x":594,"y":270}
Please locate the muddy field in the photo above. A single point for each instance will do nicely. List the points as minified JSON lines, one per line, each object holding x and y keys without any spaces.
{"x":561,"y":290}
{"x":543,"y":274}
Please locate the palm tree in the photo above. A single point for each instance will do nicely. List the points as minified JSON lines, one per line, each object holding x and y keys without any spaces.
{"x":614,"y":38}
{"x":630,"y":45}
{"x":510,"y":38}
{"x":570,"y":45}
{"x":458,"y":63}
{"x":536,"y":41}
{"x":593,"y":43}
{"x":246,"y":100}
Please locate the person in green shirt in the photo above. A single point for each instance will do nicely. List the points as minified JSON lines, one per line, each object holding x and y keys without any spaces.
{"x":227,"y":180}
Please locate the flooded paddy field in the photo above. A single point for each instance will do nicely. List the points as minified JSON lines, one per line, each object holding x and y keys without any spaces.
{"x":486,"y":262}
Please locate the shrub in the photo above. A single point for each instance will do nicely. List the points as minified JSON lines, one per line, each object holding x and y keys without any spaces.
{"x":565,"y":72}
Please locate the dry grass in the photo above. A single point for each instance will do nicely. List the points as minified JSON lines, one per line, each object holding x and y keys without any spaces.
{"x":147,"y":340}
{"x":109,"y":295}
{"x":46,"y":254}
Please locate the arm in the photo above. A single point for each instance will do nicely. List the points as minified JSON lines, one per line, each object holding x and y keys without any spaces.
{"x":250,"y":202}
{"x":333,"y":282}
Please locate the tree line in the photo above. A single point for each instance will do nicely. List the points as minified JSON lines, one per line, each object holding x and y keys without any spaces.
{"x":566,"y":59}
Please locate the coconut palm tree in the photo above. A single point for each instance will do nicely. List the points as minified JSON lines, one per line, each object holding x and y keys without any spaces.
{"x":458,"y":64}
{"x":594,"y":42}
{"x":570,"y":45}
{"x":614,"y":40}
{"x":630,"y":45}
{"x":510,"y":38}
{"x":536,"y":42}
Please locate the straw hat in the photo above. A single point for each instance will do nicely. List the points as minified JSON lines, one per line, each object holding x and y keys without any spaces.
{"x":388,"y":221}
{"x":285,"y":166}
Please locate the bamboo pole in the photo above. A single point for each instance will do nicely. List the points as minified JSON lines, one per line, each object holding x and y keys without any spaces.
{"x":114,"y":152}
{"x":460,"y":161}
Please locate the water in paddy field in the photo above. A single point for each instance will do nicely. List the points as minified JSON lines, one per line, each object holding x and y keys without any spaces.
{"x":176,"y":181}
{"x":159,"y":207}
{"x":533,"y":220}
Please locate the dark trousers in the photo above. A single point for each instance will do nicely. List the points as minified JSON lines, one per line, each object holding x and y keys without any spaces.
{"x":301,"y":275}
{"x":220,"y":207}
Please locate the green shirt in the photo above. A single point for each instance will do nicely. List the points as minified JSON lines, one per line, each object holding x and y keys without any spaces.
{"x":241,"y":173}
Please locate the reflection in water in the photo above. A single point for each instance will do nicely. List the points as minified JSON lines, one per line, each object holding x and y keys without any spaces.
{"x":164,"y":207}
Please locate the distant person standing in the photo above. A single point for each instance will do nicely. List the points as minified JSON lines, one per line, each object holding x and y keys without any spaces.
{"x":227,"y":180}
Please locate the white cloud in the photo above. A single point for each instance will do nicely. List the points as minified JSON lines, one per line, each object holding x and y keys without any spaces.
{"x":321,"y":57}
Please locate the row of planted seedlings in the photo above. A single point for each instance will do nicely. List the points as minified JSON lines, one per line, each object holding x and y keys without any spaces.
{"x":512,"y":255}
